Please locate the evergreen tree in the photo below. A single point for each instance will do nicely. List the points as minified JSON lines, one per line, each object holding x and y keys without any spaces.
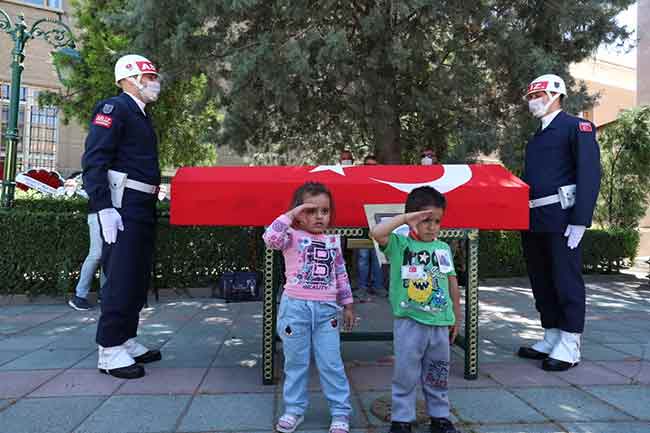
{"x":388,"y":76}
{"x":184,"y":127}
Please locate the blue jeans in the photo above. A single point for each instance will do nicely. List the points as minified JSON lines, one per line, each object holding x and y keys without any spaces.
{"x":304,"y":325}
{"x":93,"y":259}
{"x":367,"y":261}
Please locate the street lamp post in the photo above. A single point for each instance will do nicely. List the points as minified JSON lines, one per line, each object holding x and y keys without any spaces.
{"x":57,"y":34}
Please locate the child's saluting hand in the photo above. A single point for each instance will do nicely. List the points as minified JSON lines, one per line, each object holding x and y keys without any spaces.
{"x":313,"y":215}
{"x":415,"y":218}
{"x":425,"y":223}
{"x":298,"y":210}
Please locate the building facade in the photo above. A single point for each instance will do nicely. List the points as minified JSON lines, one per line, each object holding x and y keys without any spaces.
{"x":45,"y":141}
{"x":643,"y":94}
{"x":613,"y":81}
{"x":643,"y":52}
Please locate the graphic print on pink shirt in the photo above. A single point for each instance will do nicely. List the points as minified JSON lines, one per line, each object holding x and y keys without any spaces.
{"x":317,"y":264}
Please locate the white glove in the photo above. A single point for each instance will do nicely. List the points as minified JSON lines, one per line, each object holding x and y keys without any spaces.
{"x":111,"y":222}
{"x":574,"y":233}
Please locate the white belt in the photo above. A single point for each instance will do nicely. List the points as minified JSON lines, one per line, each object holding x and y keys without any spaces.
{"x":566,"y":196}
{"x":141,"y":186}
{"x":549,"y":199}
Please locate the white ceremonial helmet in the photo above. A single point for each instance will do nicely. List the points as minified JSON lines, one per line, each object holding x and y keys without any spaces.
{"x":133,"y":65}
{"x":546,"y":83}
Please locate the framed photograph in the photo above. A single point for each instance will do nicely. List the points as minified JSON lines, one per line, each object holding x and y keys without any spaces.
{"x":376,"y":213}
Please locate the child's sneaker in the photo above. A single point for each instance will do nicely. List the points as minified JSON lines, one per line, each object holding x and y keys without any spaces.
{"x":400,"y":427}
{"x":442,"y":425}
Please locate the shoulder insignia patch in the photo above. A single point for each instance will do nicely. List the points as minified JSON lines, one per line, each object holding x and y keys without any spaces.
{"x":103,"y":121}
{"x":107,"y":108}
{"x":585,"y":127}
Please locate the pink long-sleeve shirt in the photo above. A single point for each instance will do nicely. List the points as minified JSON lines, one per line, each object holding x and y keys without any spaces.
{"x":314,"y":265}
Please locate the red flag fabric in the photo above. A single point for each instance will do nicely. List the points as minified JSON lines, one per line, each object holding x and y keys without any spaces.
{"x":483,"y":196}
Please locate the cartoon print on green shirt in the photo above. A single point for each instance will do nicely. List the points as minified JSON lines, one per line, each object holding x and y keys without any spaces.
{"x":423,"y":293}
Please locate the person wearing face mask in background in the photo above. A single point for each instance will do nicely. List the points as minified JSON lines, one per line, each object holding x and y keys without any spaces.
{"x":121,"y":175}
{"x":428,"y":157}
{"x":346,"y":158}
{"x":562,"y":168}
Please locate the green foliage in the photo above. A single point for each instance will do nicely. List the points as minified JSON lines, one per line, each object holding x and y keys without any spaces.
{"x":184,"y":127}
{"x":500,"y":254}
{"x":608,"y":250}
{"x":45,"y":242}
{"x":604,"y":251}
{"x":37,"y":248}
{"x":389,"y":77}
{"x":38,"y":203}
{"x":92,"y":78}
{"x":625,"y":185}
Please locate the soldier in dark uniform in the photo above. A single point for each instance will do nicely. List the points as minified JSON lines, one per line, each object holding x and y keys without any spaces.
{"x":562,"y":169}
{"x":121,"y":176}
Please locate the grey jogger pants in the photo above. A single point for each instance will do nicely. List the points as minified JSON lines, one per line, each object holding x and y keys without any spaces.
{"x":421,"y":356}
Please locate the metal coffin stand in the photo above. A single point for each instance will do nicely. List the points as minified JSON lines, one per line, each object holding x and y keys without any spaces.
{"x":469,"y":341}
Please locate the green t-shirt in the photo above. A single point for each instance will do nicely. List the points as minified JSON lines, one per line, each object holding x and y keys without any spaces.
{"x":419,"y":283}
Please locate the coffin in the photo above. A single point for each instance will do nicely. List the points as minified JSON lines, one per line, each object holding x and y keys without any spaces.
{"x":480,"y":196}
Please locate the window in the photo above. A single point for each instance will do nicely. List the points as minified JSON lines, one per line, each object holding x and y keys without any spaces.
{"x":4,"y":116}
{"x":43,"y":137}
{"x":5,"y":91}
{"x":46,"y":117}
{"x":4,"y":119}
{"x":54,"y":4}
{"x":38,"y":128}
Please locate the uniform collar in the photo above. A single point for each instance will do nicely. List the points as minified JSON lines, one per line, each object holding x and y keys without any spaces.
{"x":137,"y":100}
{"x":547,"y":119}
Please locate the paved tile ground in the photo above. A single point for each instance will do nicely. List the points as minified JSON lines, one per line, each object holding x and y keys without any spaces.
{"x":210,"y":377}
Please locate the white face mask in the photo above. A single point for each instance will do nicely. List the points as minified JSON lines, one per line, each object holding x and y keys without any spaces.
{"x":538,"y":108}
{"x":427,"y":161}
{"x":150,"y":91}
{"x":346,"y":162}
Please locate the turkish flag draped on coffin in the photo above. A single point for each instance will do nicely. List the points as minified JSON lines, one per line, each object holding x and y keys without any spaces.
{"x":478,"y":196}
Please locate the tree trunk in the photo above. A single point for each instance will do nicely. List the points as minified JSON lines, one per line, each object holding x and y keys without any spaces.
{"x":387,"y":137}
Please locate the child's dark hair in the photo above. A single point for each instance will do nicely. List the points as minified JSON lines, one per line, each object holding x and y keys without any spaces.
{"x":423,"y":197}
{"x":311,"y":188}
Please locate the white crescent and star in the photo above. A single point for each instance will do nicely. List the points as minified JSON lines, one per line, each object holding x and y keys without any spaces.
{"x":338,"y":168}
{"x":453,"y":176}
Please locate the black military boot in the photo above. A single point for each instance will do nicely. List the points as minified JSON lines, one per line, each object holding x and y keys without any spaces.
{"x":442,"y":425}
{"x":400,"y":427}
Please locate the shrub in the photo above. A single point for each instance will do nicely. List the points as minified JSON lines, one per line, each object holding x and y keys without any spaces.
{"x":43,"y":243}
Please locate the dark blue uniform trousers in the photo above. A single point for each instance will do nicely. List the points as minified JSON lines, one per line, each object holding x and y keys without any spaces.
{"x":555,"y":273}
{"x":127,"y":264}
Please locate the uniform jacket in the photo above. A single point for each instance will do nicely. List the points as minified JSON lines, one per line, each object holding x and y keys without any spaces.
{"x":564,"y":153}
{"x":121,"y":138}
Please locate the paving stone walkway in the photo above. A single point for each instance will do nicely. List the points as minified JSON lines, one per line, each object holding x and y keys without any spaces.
{"x":210,"y":377}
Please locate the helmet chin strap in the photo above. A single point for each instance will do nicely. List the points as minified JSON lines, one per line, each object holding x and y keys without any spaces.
{"x":137,"y":83}
{"x":550,"y":101}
